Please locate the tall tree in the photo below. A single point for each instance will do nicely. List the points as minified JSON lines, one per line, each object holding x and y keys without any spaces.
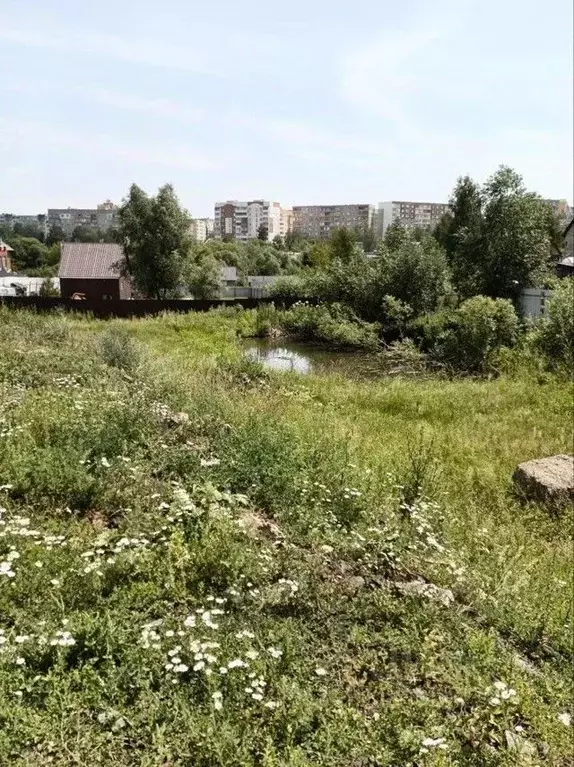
{"x":155,"y":237}
{"x":343,"y":245}
{"x":461,"y":233}
{"x":516,"y":226}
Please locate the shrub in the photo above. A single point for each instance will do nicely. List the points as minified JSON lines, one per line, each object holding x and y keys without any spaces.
{"x":119,"y":350}
{"x":556,"y":334}
{"x":334,"y":324}
{"x":479,"y":328}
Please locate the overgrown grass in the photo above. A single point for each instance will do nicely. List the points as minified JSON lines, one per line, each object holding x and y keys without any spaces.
{"x":205,"y":564}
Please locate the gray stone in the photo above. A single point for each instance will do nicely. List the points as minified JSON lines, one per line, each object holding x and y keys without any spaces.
{"x":547,"y":480}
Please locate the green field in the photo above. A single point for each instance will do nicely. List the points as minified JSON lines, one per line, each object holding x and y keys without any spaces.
{"x":202,"y":563}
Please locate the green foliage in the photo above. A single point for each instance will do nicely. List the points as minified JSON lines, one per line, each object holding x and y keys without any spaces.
{"x":202,"y":275}
{"x":119,"y":350}
{"x":48,"y":289}
{"x":498,"y":237}
{"x":415,"y":273}
{"x":29,"y":253}
{"x":343,"y":246}
{"x":204,"y":564}
{"x":555,"y":336}
{"x":155,"y":236}
{"x":479,"y":327}
{"x":334,"y":324}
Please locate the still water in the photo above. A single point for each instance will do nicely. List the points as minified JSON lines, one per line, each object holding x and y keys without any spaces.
{"x":287,"y":356}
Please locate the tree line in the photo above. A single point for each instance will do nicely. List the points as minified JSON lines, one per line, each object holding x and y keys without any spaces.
{"x":496,"y":239}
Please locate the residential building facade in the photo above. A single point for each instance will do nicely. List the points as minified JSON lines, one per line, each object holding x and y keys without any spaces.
{"x":412,"y":215}
{"x":5,"y":257}
{"x":202,"y":229}
{"x":103,"y":217}
{"x":247,"y":220}
{"x":13,"y":220}
{"x":286,"y":226}
{"x":319,"y":221}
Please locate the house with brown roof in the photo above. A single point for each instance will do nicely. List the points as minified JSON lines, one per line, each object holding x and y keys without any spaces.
{"x":93,"y":271}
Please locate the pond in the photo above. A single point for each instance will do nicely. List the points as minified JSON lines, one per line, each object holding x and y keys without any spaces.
{"x":290,"y":356}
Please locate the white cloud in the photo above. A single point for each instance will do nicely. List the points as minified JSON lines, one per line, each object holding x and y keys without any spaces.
{"x":111,"y":98}
{"x":297,"y":135}
{"x":99,"y":144}
{"x":107,"y":46}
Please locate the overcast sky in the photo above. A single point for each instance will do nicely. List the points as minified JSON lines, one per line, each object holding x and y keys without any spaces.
{"x":305,"y":102}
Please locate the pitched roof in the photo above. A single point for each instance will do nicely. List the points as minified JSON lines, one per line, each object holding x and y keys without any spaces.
{"x":5,"y":246}
{"x":90,"y":261}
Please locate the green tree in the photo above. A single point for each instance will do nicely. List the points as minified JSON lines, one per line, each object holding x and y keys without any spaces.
{"x":263,"y":233}
{"x":55,"y":234}
{"x":416,"y":273}
{"x":29,"y":253}
{"x":516,"y":227}
{"x":155,"y":237}
{"x":343,"y":245}
{"x":461,"y":233}
{"x":203,"y":276}
{"x":278,"y":243}
{"x":395,"y":236}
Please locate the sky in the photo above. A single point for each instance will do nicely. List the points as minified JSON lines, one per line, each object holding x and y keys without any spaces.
{"x":305,"y":102}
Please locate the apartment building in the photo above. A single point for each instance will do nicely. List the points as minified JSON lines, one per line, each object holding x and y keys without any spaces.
{"x":12,"y":220}
{"x":318,"y":221}
{"x":103,"y":217}
{"x":412,"y":215}
{"x":246,"y":220}
{"x":202,"y":229}
{"x":286,"y":221}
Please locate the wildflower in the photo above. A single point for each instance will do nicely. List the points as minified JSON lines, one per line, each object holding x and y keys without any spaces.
{"x":38,"y":564}
{"x":494,"y":701}
{"x":189,"y":621}
{"x":222,"y":670}
{"x":21,"y":639}
{"x":508,"y":693}
{"x":6,"y":569}
{"x":499,"y":685}
{"x":236,"y":663}
{"x":245,"y":634}
{"x":55,"y":582}
{"x":274,"y":652}
{"x":565,"y":718}
{"x":217,"y":702}
{"x":271,"y":704}
{"x":257,"y":696}
{"x":320,"y":671}
{"x":199,"y":665}
{"x":105,"y":463}
{"x":20,"y":662}
{"x":208,"y":462}
{"x":433,"y":743}
{"x":252,"y":654}
{"x":181,"y":668}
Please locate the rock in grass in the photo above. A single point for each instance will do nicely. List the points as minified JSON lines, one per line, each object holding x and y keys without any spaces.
{"x":547,"y":480}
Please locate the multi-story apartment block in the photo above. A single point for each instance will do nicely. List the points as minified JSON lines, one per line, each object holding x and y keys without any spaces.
{"x":286,"y":221}
{"x":412,"y":215}
{"x":247,"y":220}
{"x":103,"y":217}
{"x":202,"y":229}
{"x":12,"y":220}
{"x":321,"y":220}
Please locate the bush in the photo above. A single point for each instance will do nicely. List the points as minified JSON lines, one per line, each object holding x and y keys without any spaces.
{"x":119,"y":350}
{"x":480,"y":327}
{"x":556,"y":334}
{"x":333,"y":324}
